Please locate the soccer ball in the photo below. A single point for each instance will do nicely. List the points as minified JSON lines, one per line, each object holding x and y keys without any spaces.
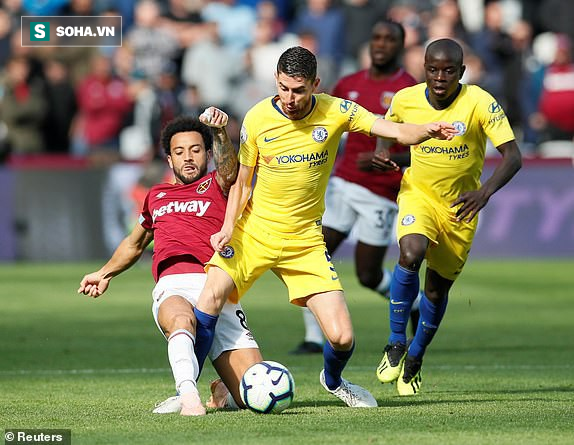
{"x":267,"y":387}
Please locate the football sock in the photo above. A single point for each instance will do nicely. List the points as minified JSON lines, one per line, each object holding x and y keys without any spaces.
{"x":204,"y":332}
{"x":404,"y":290}
{"x":429,"y":321}
{"x":385,"y":284}
{"x":313,"y":332}
{"x":230,"y":402}
{"x":334,"y":362}
{"x":182,"y":360}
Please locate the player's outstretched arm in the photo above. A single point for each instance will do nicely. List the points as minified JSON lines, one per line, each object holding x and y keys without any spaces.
{"x":238,"y":196}
{"x":127,"y":253}
{"x":412,"y":134}
{"x":224,"y":153}
{"x":475,"y":200}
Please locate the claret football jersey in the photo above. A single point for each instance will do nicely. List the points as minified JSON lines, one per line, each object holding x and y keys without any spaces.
{"x":183,"y":218}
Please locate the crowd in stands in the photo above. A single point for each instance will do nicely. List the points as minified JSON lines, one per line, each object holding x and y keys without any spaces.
{"x":178,"y":56}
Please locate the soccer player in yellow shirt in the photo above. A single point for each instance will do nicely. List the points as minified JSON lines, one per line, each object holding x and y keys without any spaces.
{"x":291,"y":141}
{"x":439,"y":200}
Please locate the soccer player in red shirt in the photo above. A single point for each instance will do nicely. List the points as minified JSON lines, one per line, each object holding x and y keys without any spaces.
{"x":360,"y":198}
{"x":180,"y":219}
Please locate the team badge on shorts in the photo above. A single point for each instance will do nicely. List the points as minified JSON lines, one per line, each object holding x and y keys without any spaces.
{"x":460,"y":127}
{"x":319,"y":134}
{"x":227,"y":252}
{"x":202,"y":188}
{"x":407,"y":220}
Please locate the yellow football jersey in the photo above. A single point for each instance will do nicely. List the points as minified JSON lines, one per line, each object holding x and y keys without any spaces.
{"x":444,"y":169}
{"x":293,"y":160}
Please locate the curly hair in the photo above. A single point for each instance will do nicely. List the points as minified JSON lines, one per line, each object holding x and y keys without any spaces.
{"x":298,"y":62}
{"x":182,"y":124}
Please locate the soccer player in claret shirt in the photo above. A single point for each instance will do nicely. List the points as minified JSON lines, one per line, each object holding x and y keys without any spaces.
{"x":180,"y":219}
{"x":439,"y":200}
{"x":359,"y":197}
{"x":291,"y":140}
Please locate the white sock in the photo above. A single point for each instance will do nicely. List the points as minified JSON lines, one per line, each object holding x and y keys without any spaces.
{"x":385,"y":285}
{"x":313,"y":332}
{"x":183,"y":361}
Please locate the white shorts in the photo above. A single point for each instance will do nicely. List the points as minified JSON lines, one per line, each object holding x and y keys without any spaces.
{"x":231,"y":331}
{"x":351,"y":206}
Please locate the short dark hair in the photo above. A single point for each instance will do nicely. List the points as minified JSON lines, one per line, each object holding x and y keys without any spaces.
{"x":298,"y":62}
{"x":391,"y":23}
{"x":182,"y":124}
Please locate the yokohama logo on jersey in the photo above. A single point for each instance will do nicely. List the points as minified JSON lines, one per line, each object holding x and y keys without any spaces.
{"x":196,"y":206}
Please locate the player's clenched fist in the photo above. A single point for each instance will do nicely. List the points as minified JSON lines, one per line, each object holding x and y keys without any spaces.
{"x":214,"y":117}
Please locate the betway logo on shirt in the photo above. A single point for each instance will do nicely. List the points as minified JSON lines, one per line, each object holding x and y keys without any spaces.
{"x":196,"y":206}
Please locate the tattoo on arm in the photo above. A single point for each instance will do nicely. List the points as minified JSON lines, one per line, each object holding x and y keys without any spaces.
{"x":224,"y":158}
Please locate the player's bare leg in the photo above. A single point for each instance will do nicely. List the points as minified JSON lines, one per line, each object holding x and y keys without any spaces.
{"x":332,"y":313}
{"x":231,"y":365}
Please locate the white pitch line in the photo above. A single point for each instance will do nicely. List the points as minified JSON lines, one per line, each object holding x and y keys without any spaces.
{"x":294,"y":368}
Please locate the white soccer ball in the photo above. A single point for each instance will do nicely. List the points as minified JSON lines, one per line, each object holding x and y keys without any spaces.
{"x":267,"y":387}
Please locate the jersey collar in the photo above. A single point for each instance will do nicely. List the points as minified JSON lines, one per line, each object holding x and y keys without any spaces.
{"x":278,"y":108}
{"x":450,"y":99}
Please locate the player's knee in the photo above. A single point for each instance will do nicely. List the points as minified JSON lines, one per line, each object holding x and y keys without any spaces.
{"x":368,"y":279}
{"x":411,"y":258}
{"x":342,"y":341}
{"x":180,"y":321}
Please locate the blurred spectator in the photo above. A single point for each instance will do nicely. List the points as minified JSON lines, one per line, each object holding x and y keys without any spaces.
{"x":494,"y":46}
{"x":327,"y":23}
{"x":360,"y":17}
{"x":5,"y":35}
{"x":449,"y":11}
{"x":413,"y":62}
{"x":153,"y":46}
{"x":557,"y":16}
{"x":520,"y":69}
{"x":555,"y":118}
{"x":212,"y":67}
{"x":258,"y":80}
{"x":23,"y":108}
{"x":235,"y":23}
{"x":62,"y":107}
{"x":104,"y":104}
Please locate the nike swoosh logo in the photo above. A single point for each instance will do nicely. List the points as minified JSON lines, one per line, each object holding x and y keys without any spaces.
{"x":395,"y":301}
{"x":334,"y":277}
{"x":266,"y":139}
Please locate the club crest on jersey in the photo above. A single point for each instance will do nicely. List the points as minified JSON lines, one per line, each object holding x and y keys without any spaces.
{"x":386,"y":99}
{"x":160,"y":195}
{"x":320,"y":134}
{"x":408,"y":220}
{"x":243,"y":135}
{"x":460,"y":127}
{"x":227,"y":252}
{"x":202,"y":188}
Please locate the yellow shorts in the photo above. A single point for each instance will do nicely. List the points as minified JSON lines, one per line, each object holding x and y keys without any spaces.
{"x":303,"y":265}
{"x":450,"y":239}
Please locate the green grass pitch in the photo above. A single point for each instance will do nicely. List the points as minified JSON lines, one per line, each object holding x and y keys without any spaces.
{"x":500,"y":370}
